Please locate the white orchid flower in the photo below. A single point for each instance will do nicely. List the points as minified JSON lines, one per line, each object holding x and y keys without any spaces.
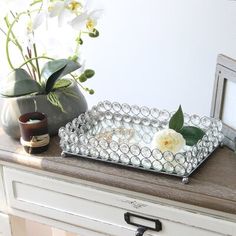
{"x":64,"y":10}
{"x":36,"y":22}
{"x":88,"y":19}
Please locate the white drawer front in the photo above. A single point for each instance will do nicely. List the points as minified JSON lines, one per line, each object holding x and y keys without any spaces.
{"x":2,"y":193}
{"x":5,"y":229}
{"x":99,"y":210}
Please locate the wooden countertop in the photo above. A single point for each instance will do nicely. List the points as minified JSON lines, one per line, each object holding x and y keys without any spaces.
{"x":213,"y":186}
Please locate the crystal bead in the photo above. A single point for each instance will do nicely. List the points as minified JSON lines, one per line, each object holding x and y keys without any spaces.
{"x":221,"y":137}
{"x":126,"y":108}
{"x":194,"y":162}
{"x":135,"y":161}
{"x":93,"y":142}
{"x":147,"y":138}
{"x":145,"y":121}
{"x":146,"y":163}
{"x":186,"y":118}
{"x":135,"y":109}
{"x":116,"y":106}
{"x":114,"y":146}
{"x":124,"y":159}
{"x":94,"y":152}
{"x":127,"y":118}
{"x":168,"y":156}
{"x":72,"y":148}
{"x":103,"y":144}
{"x":84,"y":150}
{"x":168,"y":167}
{"x":215,"y":142}
{"x":206,"y":122}
{"x":124,"y":148}
{"x":195,"y":119}
{"x":189,"y":168}
{"x":104,"y":155}
{"x":108,"y":115}
{"x":114,"y":156}
{"x":200,"y":156}
{"x":135,"y":150}
{"x":157,"y":154}
{"x":157,"y":165}
{"x":179,"y":170}
{"x":154,"y":113}
{"x":107,"y":105}
{"x":155,"y":123}
{"x":188,"y":156}
{"x":117,"y":116}
{"x":146,"y":152}
{"x":74,"y":138}
{"x":194,"y":151}
{"x":145,"y":111}
{"x":210,"y":146}
{"x":68,"y":127}
{"x":61,"y":132}
{"x":164,"y":115}
{"x":83,"y":140}
{"x":205,"y":151}
{"x":180,"y":158}
{"x":136,"y":120}
{"x":67,"y":148}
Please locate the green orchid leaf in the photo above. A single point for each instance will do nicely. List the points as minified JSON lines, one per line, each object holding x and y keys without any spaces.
{"x":177,"y":120}
{"x":54,"y":70}
{"x":52,"y":80}
{"x":191,"y":134}
{"x":62,"y":83}
{"x":19,"y":83}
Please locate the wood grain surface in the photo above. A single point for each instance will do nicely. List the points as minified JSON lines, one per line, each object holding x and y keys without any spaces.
{"x":213,"y":186}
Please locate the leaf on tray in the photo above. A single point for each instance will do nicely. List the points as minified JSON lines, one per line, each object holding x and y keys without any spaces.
{"x":177,"y":120}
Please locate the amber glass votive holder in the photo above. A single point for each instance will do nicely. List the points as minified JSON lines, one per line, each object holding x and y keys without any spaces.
{"x":34,"y":132}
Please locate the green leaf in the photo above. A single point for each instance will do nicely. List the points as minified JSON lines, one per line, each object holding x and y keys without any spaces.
{"x":52,"y":67}
{"x":19,"y":83}
{"x":54,"y":100}
{"x":62,"y":83}
{"x":191,"y":134}
{"x":54,"y":70}
{"x":177,"y":120}
{"x":52,"y":80}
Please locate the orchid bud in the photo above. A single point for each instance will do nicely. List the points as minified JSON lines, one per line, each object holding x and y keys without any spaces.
{"x":89,"y":73}
{"x":82,"y":78}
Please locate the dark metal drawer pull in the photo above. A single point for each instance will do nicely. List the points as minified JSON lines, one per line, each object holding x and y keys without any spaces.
{"x":155,"y":224}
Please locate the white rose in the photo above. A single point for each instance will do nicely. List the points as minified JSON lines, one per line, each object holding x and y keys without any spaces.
{"x":168,"y":140}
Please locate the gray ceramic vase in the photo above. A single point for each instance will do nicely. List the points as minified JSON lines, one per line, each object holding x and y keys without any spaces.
{"x":13,"y":107}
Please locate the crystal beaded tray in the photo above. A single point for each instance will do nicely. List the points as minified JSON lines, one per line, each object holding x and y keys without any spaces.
{"x":122,"y":134}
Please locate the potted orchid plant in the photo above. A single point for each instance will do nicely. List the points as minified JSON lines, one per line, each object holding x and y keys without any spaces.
{"x":41,"y":78}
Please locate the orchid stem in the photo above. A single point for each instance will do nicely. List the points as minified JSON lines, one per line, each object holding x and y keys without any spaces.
{"x":37,"y":63}
{"x":34,"y":58}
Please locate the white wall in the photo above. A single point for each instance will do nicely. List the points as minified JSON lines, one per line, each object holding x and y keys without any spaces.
{"x":160,"y":53}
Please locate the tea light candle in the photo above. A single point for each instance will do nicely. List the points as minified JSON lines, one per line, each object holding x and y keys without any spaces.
{"x":32,"y":121}
{"x":34,"y":132}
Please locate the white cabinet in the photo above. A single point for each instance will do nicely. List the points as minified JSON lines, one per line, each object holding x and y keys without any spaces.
{"x":5,"y":229}
{"x":101,"y":211}
{"x":2,"y":193}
